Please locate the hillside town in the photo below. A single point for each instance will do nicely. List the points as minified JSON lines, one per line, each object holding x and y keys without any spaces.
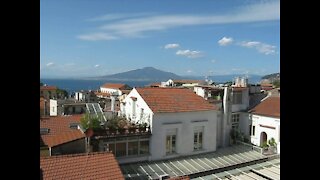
{"x":175,"y":129}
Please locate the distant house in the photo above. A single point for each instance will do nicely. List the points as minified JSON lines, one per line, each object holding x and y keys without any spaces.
{"x":99,"y":165}
{"x":60,"y":107}
{"x":44,"y":107}
{"x":182,"y":83}
{"x":85,"y":96}
{"x":264,"y":122}
{"x":182,"y":123}
{"x":115,"y":89}
{"x":208,"y":91}
{"x":61,"y":135}
{"x":48,"y":92}
{"x":266,"y":87}
{"x":156,"y":84}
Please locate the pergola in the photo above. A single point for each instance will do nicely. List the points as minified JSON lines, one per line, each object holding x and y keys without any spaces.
{"x":194,"y":166}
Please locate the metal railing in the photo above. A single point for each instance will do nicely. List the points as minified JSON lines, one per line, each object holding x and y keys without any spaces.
{"x":255,"y":148}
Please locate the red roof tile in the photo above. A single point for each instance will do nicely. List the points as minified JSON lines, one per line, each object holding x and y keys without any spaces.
{"x":114,"y":86}
{"x":125,"y":91}
{"x":60,"y":132}
{"x":266,"y":85}
{"x":42,"y":102}
{"x":101,"y":165}
{"x":103,"y":94}
{"x":48,"y":88}
{"x":174,"y":100}
{"x":268,"y":107}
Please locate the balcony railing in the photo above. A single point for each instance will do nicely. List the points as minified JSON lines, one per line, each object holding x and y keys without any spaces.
{"x":132,"y":131}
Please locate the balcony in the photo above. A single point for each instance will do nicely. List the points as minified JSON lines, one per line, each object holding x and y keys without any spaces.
{"x":121,"y":132}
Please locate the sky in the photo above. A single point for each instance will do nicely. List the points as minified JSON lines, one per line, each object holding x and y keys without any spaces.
{"x":87,"y":38}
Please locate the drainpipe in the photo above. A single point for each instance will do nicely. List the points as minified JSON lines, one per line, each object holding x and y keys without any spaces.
{"x":225,"y":125}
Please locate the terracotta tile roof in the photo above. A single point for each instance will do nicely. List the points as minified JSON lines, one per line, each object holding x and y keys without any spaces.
{"x":125,"y":91}
{"x":266,"y":85}
{"x":268,"y":107}
{"x":187,"y":81}
{"x":266,"y":88}
{"x":60,"y":132}
{"x":114,"y":86}
{"x":42,"y":102}
{"x":174,"y":100}
{"x":103,"y":94}
{"x":48,"y":88}
{"x":100,"y":165}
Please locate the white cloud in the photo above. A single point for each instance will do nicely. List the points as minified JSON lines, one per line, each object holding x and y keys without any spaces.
{"x":260,"y":47}
{"x":49,"y":64}
{"x":97,"y":65}
{"x":213,"y":61}
{"x":171,"y":46}
{"x":225,"y":41}
{"x":110,"y":17}
{"x":189,"y":71}
{"x":124,"y":26}
{"x":97,"y":37}
{"x":189,"y":54}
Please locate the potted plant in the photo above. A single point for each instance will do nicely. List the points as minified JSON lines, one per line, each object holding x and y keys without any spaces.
{"x":132,"y":128}
{"x":121,"y":130}
{"x":142,"y":127}
{"x":264,"y":146}
{"x":273,"y":145}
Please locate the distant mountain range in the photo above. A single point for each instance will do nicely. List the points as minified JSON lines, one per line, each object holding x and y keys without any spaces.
{"x":156,"y":75}
{"x":144,"y":74}
{"x":271,"y":76}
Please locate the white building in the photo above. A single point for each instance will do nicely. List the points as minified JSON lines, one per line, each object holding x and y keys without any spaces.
{"x":182,"y":123}
{"x":85,"y":96}
{"x":115,"y":89}
{"x":264,"y":122}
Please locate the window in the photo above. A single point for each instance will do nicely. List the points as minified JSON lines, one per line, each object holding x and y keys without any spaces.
{"x":144,"y":147}
{"x":121,"y":149}
{"x":235,"y":118}
{"x":171,"y":141}
{"x":197,"y":138}
{"x":253,"y":130}
{"x":133,"y":148}
{"x":250,"y":127}
{"x":171,"y":144}
{"x":237,"y":97}
{"x":235,"y":121}
{"x":133,"y":108}
{"x":52,"y":108}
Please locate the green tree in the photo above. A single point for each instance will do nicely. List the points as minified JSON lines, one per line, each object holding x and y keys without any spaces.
{"x":90,"y":121}
{"x":41,"y":84}
{"x":276,"y":83}
{"x":62,"y":93}
{"x":272,"y":142}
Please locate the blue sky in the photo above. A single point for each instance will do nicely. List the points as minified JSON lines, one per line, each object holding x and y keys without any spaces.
{"x":209,"y":37}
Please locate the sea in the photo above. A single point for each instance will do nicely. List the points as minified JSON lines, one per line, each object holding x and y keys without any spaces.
{"x":74,"y":85}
